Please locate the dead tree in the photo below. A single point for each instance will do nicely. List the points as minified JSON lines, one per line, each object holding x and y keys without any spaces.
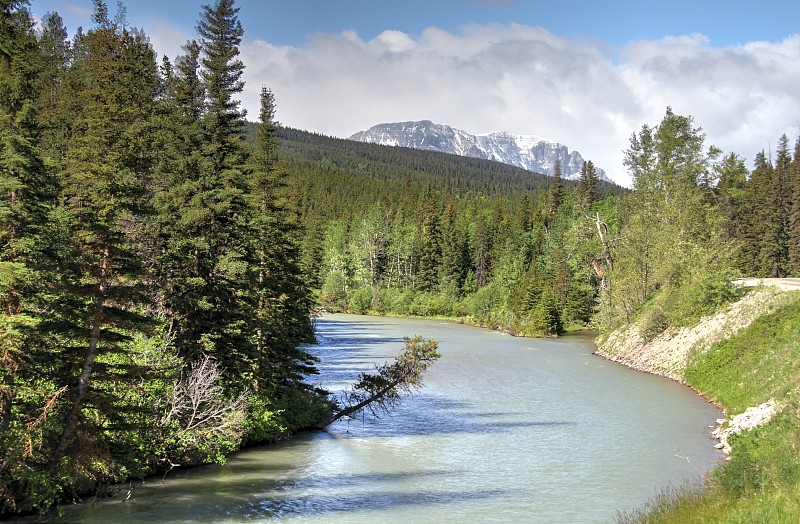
{"x":382,"y":391}
{"x":607,"y":259}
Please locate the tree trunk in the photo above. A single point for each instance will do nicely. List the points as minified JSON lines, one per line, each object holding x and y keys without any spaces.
{"x":333,"y":417}
{"x":71,"y":422}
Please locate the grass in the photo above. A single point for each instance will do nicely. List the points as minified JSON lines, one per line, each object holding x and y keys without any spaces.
{"x":761,"y":482}
{"x":759,"y":363}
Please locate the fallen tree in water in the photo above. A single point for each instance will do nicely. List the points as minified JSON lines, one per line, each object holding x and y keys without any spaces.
{"x":380,"y":392}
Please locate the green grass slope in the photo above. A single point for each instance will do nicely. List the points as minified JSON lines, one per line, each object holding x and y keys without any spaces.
{"x":761,"y":482}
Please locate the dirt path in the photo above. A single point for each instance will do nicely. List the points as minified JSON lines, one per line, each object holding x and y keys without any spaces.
{"x":783,"y":283}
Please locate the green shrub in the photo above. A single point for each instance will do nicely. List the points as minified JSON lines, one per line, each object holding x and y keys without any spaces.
{"x":654,"y":322}
{"x":360,"y":300}
{"x":333,"y":295}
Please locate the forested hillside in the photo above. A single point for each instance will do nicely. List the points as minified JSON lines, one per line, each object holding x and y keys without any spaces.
{"x":404,"y":231}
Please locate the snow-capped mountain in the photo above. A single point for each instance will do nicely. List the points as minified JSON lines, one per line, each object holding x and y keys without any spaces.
{"x":526,"y":151}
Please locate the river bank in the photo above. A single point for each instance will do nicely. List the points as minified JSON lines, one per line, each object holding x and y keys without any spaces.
{"x":670,"y":352}
{"x":746,"y":360}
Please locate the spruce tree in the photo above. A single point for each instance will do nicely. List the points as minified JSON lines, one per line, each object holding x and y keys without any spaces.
{"x":730,"y":199}
{"x":430,"y":245}
{"x":454,"y":252}
{"x":554,"y":196}
{"x":587,"y":186}
{"x":481,"y":251}
{"x":210,"y":267}
{"x":107,"y":171}
{"x":283,"y":315}
{"x":55,"y":56}
{"x":773,"y":252}
{"x":28,"y":193}
{"x":794,"y":215}
{"x":753,"y":223}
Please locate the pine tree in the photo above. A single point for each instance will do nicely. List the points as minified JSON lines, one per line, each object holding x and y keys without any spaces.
{"x":55,"y":56}
{"x":221,"y":33}
{"x":730,"y":201}
{"x":210,"y":266}
{"x":773,"y":252}
{"x":107,"y":170}
{"x":587,"y":186}
{"x":284,"y":300}
{"x":753,"y":226}
{"x":554,"y":196}
{"x":794,"y":215}
{"x":481,"y":251}
{"x":454,"y":252}
{"x":430,"y":245}
{"x":28,"y":193}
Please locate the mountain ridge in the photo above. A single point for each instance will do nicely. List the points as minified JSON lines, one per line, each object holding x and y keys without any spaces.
{"x":529,"y":152}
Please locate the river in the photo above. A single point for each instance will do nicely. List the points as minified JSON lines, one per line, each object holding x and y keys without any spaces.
{"x":506,"y":430}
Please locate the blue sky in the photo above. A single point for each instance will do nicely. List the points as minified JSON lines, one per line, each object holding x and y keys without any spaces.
{"x":585,"y":73}
{"x":290,"y":22}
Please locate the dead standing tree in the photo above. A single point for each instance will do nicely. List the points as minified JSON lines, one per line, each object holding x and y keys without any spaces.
{"x":382,"y":391}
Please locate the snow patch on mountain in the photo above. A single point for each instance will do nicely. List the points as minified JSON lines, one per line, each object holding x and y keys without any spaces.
{"x":526,"y":151}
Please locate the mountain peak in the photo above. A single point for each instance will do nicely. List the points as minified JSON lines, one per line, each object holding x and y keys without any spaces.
{"x":530,"y":152}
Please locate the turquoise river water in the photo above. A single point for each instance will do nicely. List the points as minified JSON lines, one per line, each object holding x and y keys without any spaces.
{"x":506,"y":430}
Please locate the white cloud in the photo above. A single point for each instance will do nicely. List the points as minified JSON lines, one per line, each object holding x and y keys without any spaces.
{"x":526,"y":80}
{"x":80,"y":11}
{"x":166,"y":38}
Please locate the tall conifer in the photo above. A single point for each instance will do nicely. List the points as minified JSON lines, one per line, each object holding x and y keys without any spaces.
{"x":554,"y":196}
{"x":587,"y":185}
{"x":794,"y":215}
{"x":107,"y":171}
{"x":283,"y":314}
{"x":210,"y":288}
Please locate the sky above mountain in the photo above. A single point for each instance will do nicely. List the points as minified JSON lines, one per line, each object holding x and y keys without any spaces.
{"x":584,"y":73}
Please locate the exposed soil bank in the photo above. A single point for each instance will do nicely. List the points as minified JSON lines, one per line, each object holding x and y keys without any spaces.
{"x":668,"y":353}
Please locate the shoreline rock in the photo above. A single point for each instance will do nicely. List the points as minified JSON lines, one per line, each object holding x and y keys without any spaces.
{"x":752,"y":417}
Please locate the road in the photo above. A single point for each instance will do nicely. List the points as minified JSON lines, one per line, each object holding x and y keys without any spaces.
{"x":783,"y":283}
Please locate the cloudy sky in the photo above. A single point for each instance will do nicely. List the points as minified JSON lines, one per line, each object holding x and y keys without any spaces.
{"x":584,"y":73}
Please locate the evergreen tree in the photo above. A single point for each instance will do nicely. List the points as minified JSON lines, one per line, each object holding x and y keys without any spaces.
{"x":768,"y":233}
{"x":208,"y":244}
{"x":546,"y":315}
{"x":221,"y":33}
{"x":794,"y":216}
{"x":481,"y":249}
{"x":55,"y":54}
{"x":283,"y":315}
{"x":730,"y":195}
{"x":454,"y":252}
{"x":28,"y":193}
{"x":755,"y":219}
{"x":587,"y":185}
{"x":430,"y":245}
{"x":555,"y":195}
{"x":775,"y":214}
{"x":107,"y":170}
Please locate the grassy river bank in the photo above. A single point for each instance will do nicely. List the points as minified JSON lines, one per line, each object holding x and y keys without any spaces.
{"x":744,"y":356}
